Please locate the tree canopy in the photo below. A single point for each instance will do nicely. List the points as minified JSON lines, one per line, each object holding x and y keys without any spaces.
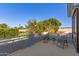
{"x":44,"y":25}
{"x":7,"y":32}
{"x":4,"y":25}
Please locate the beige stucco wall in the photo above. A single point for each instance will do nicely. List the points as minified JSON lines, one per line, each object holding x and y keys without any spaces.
{"x":22,"y":32}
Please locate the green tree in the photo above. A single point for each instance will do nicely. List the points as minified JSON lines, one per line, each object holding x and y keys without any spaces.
{"x":7,"y":32}
{"x":51,"y":23}
{"x":44,"y":25}
{"x":4,"y":25}
{"x":32,"y":25}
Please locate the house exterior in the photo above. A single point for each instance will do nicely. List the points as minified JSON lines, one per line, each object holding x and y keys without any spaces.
{"x":65,"y":30}
{"x":22,"y":32}
{"x":73,"y":12}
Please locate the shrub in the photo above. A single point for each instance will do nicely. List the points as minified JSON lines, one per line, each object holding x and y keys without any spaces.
{"x":9,"y":33}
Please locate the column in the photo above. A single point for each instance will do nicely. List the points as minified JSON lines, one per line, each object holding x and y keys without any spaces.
{"x":77,"y":18}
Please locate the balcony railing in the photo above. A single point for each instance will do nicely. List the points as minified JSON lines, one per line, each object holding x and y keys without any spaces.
{"x":12,"y":40}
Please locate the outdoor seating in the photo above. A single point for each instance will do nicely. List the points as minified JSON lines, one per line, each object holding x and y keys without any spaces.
{"x":62,"y":42}
{"x":53,"y":37}
{"x":59,"y":40}
{"x":65,"y":43}
{"x":46,"y":38}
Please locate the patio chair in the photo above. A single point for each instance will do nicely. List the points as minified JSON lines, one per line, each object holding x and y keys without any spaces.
{"x":59,"y":41}
{"x":52,"y":37}
{"x":62,"y":42}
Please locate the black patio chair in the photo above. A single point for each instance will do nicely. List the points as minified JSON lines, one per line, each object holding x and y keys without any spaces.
{"x":53,"y":37}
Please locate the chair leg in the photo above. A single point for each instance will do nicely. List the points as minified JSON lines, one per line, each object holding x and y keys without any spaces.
{"x":65,"y":43}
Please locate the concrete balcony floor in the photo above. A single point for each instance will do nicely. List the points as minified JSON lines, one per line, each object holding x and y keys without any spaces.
{"x":45,"y":49}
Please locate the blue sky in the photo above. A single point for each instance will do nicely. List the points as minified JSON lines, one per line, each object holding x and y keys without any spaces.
{"x":15,"y":14}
